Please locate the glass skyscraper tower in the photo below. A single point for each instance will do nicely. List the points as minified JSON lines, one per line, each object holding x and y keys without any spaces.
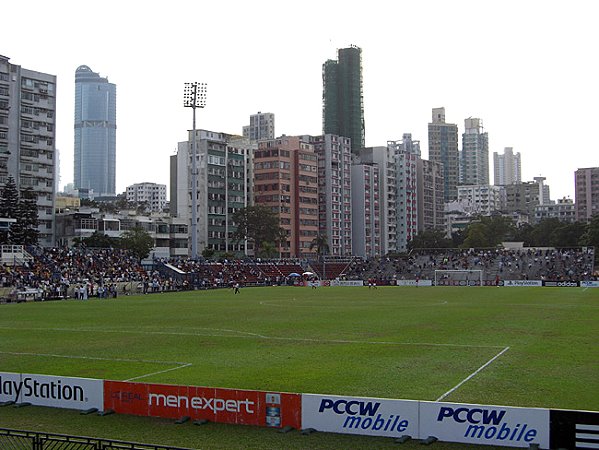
{"x":95,"y":133}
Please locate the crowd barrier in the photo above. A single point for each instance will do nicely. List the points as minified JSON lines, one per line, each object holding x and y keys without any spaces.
{"x":448,"y":422}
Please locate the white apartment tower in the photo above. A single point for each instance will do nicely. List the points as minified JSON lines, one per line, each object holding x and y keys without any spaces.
{"x":407,"y":156}
{"x":262,"y":126}
{"x":28,"y":138}
{"x":474,"y":157}
{"x":507,"y":168}
{"x":334,"y":191}
{"x":152,"y":194}
{"x":366,"y":231}
{"x":223,"y":164}
{"x":384,"y":158}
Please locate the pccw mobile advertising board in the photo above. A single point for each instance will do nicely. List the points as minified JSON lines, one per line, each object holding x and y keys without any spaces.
{"x":234,"y":406}
{"x":360,"y":415}
{"x":51,"y":391}
{"x":485,"y":425}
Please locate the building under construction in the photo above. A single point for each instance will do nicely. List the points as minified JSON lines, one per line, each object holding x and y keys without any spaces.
{"x":342,"y":102}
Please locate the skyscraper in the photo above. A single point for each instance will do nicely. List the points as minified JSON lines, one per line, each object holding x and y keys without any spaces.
{"x":507,"y":168}
{"x":27,"y":138}
{"x":342,"y":102}
{"x":95,"y":133}
{"x":474,"y":164}
{"x":443,"y":149}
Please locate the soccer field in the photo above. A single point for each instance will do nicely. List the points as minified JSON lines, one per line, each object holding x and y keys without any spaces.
{"x":502,"y":346}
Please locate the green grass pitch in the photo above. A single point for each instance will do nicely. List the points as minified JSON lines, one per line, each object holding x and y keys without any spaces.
{"x":502,"y":346}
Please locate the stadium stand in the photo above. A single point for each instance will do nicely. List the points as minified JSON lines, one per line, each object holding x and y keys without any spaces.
{"x":72,"y":272}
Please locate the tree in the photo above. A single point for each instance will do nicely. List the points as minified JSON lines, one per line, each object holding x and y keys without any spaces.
{"x":477,"y":236}
{"x":100,"y":240}
{"x":28,"y":218}
{"x":568,"y":234}
{"x":208,"y":253}
{"x":430,"y":239}
{"x":9,"y":200}
{"x":138,"y":242}
{"x":591,"y":236}
{"x":268,"y":250}
{"x":259,"y":224}
{"x":321,"y":243}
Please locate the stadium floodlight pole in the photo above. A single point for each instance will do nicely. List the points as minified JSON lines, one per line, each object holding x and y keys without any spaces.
{"x":194,"y":96}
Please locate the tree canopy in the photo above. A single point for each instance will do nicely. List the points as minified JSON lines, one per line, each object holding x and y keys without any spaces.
{"x":138,"y":241}
{"x":23,"y":208}
{"x":259,"y":224}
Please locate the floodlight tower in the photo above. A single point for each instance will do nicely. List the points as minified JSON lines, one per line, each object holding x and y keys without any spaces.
{"x":194,"y":96}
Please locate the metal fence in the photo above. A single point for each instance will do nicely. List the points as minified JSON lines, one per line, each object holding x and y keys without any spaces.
{"x":30,"y":440}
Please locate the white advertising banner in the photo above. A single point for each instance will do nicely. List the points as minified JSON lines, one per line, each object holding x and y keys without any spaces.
{"x":522,"y":283}
{"x":485,"y":425}
{"x":347,"y":283}
{"x":414,"y":282}
{"x":56,"y":392}
{"x":8,"y":386}
{"x":360,"y":415}
{"x":589,"y":284}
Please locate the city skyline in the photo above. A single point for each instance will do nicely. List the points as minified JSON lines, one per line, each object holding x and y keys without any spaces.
{"x":523,"y":69}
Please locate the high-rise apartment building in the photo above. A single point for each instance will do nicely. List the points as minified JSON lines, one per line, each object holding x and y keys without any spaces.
{"x":334,"y":191}
{"x":407,"y":156}
{"x":474,"y":157}
{"x":384,"y":159}
{"x":28,"y":138}
{"x":431,"y":196}
{"x":563,"y":210}
{"x":286,"y":180}
{"x":443,"y":149}
{"x":366,"y":230}
{"x":95,"y":133}
{"x":223,"y":187}
{"x":586,"y":183}
{"x":480,"y":200}
{"x":262,"y":126}
{"x":152,"y":194}
{"x":507,"y":167}
{"x":342,"y":101}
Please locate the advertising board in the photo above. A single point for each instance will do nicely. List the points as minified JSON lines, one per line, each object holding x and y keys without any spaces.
{"x":52,"y":391}
{"x":523,"y":283}
{"x":414,"y":283}
{"x":347,"y":283}
{"x":589,"y":284}
{"x":485,"y":425}
{"x":560,"y":283}
{"x":271,"y":409}
{"x":360,"y":415}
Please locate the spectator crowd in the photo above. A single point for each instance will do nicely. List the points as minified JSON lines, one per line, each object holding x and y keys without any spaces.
{"x":106,"y":273}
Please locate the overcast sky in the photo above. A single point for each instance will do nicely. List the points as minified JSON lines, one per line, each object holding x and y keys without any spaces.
{"x":528,"y":69}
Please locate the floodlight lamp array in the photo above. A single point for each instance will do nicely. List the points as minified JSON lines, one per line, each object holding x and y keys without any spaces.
{"x":194,"y":95}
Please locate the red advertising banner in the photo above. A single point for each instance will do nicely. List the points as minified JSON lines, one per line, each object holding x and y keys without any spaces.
{"x":270,"y":409}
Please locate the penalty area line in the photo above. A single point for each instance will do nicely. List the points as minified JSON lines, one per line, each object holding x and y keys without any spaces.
{"x":180,"y":365}
{"x":473,"y":374}
{"x":159,"y":372}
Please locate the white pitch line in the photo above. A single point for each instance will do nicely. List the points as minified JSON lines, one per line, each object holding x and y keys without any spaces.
{"x":363,"y":305}
{"x":180,"y":365}
{"x":473,"y":374}
{"x":93,"y":358}
{"x":247,"y":335}
{"x":159,"y":372}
